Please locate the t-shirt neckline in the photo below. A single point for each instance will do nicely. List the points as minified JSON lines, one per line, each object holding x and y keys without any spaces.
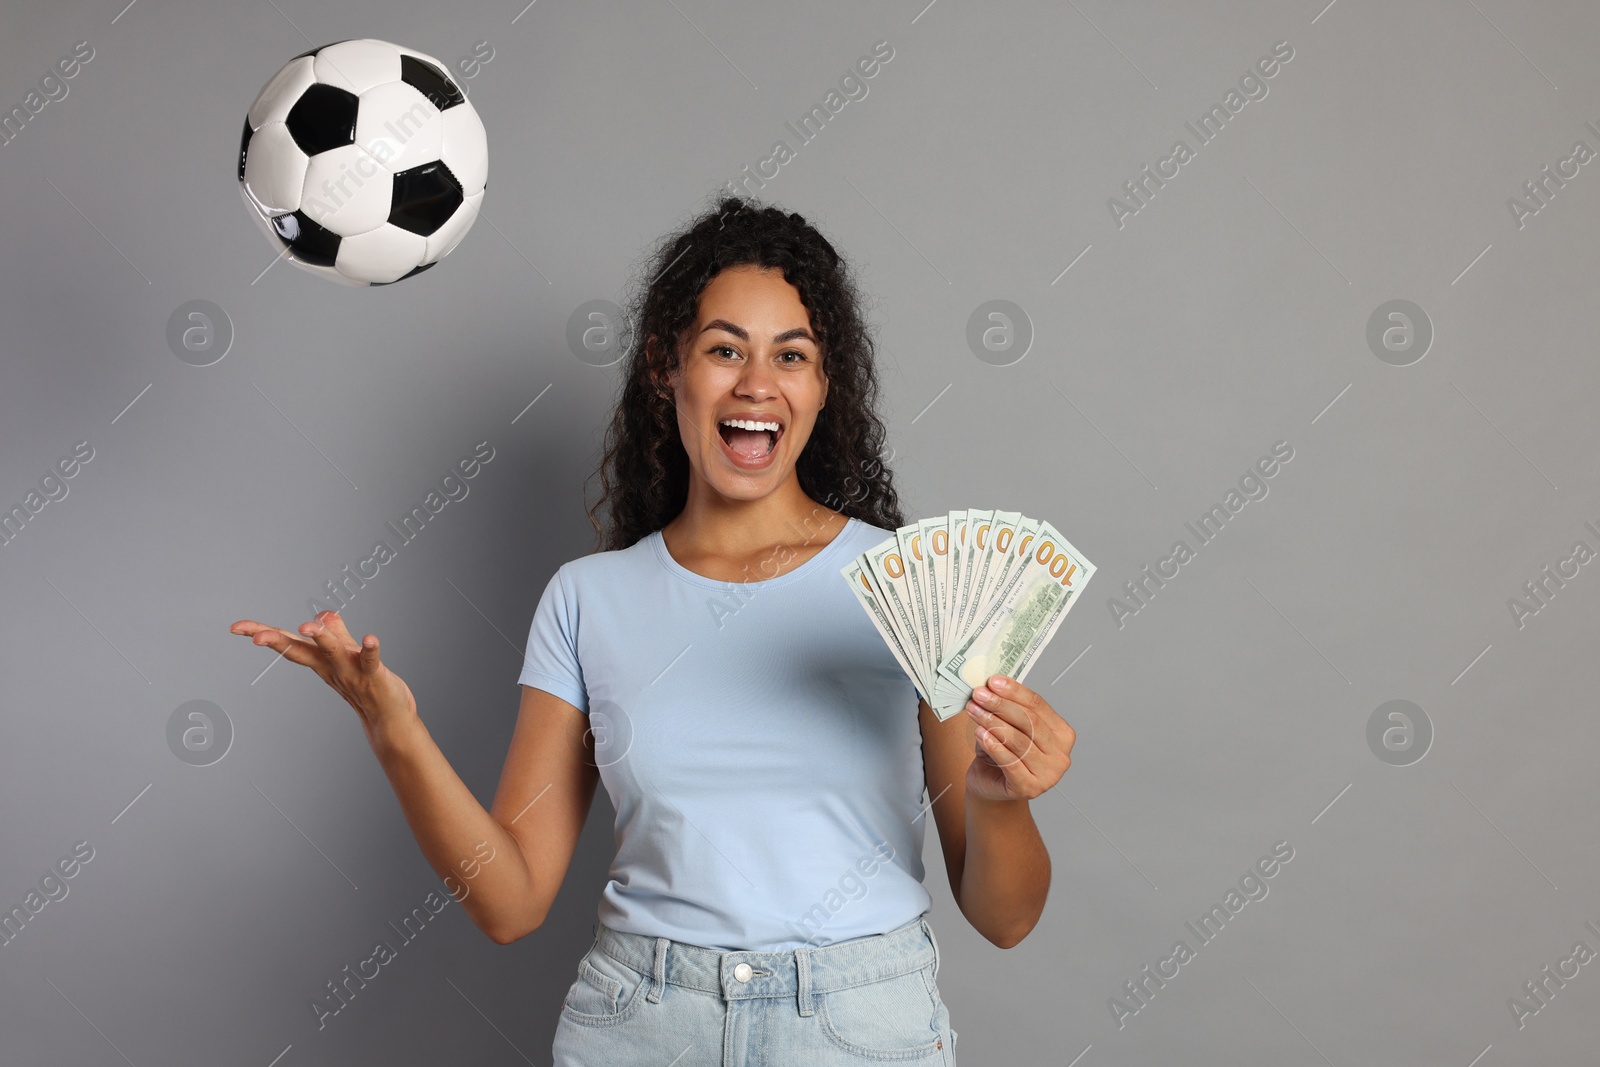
{"x":815,"y":563}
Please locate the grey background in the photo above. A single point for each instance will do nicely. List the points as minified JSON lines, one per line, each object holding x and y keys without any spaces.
{"x":1229,"y":313}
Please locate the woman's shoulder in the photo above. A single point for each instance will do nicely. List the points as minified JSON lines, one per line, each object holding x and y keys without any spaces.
{"x":864,"y":534}
{"x":600,"y":565}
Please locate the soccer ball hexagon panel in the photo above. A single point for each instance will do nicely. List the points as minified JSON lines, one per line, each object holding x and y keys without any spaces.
{"x":363,"y":162}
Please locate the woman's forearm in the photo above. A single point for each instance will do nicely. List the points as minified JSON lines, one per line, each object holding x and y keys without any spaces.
{"x":1005,"y":877}
{"x":496,"y":888}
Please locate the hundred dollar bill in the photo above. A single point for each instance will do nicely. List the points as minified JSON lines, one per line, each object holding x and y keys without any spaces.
{"x":956,"y":524}
{"x":969,"y":594}
{"x":887,"y":569}
{"x":1011,"y":551}
{"x":887,"y":617}
{"x":1001,"y":531}
{"x":996,"y":545}
{"x":974,"y":533}
{"x":934,"y":535}
{"x":909,"y":538}
{"x":861,"y":585}
{"x":1018,"y":622}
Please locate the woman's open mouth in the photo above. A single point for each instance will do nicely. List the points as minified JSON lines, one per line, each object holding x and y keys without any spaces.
{"x":750,"y":443}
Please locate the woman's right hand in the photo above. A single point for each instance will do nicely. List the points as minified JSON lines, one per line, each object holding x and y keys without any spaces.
{"x":380,"y":696}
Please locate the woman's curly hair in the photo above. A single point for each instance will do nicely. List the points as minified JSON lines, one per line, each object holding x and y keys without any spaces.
{"x":645,"y":469}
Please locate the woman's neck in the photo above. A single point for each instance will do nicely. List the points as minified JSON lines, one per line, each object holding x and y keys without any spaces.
{"x":721,"y":537}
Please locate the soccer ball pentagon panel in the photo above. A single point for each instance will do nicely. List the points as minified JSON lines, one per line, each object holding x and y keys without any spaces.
{"x":363,"y":162}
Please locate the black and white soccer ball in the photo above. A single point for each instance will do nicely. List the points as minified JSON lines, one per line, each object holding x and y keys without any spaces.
{"x":364,"y":161}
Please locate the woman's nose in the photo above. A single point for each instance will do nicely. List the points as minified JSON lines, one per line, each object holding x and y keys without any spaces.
{"x":756,"y":380}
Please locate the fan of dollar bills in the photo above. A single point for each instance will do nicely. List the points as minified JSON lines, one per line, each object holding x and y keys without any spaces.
{"x":967,"y":595}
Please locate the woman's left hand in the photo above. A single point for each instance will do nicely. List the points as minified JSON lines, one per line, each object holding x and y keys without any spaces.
{"x":1024,"y":747}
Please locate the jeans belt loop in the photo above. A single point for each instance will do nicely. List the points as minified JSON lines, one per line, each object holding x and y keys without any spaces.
{"x":659,"y":971}
{"x":928,"y":929}
{"x":802,"y":963}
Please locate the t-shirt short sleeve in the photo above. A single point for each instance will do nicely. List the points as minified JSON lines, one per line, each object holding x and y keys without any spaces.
{"x":551,"y":660}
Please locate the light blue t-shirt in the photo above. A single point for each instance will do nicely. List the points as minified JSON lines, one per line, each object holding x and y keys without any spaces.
{"x":758,"y":741}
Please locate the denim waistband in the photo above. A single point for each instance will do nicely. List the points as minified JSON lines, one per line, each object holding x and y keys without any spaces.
{"x":794,"y":973}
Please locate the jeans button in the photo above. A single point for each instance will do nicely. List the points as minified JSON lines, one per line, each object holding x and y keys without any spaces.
{"x":742,"y":972}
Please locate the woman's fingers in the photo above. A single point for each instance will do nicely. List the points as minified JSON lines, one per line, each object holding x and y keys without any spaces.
{"x":290,"y":646}
{"x":333,"y":638}
{"x":352,"y":669}
{"x":334,"y":624}
{"x":250,"y":628}
{"x":328,"y":631}
{"x":324,"y":644}
{"x":369,"y":654}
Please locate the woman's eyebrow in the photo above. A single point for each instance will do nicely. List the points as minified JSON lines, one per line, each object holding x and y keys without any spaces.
{"x":798,"y":332}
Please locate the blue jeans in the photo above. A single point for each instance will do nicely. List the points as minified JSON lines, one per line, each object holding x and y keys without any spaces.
{"x":652,"y":1000}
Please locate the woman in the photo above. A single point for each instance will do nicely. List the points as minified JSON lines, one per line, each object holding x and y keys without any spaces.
{"x":765,"y":754}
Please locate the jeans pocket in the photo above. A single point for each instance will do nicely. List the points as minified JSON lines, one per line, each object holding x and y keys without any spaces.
{"x":899,"y":1018}
{"x":605,"y":992}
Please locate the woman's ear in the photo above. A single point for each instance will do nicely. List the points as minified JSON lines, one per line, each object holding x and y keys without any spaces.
{"x":659,"y":379}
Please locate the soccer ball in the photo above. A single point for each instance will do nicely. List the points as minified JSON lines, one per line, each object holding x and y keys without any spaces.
{"x":363,"y":162}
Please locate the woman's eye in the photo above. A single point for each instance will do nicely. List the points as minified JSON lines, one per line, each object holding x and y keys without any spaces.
{"x":800,"y":357}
